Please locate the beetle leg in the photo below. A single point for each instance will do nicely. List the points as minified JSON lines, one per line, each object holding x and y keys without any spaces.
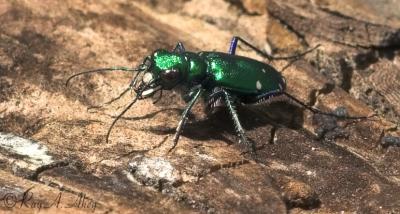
{"x":185,"y":113}
{"x":187,"y":97}
{"x":235,"y":118}
{"x":232,"y":47}
{"x":235,"y":39}
{"x":215,"y":100}
{"x":295,"y":101}
{"x":179,"y":48}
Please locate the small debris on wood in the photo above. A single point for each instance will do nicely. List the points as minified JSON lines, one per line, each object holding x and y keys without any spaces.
{"x":157,"y":172}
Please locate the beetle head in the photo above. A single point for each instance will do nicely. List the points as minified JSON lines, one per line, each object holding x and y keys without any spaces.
{"x":163,"y":69}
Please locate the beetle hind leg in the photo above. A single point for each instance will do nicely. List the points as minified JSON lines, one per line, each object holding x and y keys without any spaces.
{"x":287,"y":98}
{"x":236,"y":39}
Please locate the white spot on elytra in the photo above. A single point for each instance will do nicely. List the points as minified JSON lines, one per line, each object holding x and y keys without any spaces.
{"x":258,"y":85}
{"x":263,"y":70}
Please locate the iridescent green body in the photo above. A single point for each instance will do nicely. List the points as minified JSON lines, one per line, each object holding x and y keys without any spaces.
{"x":241,"y":75}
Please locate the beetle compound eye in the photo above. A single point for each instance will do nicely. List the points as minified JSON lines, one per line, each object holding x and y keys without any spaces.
{"x":170,"y":75}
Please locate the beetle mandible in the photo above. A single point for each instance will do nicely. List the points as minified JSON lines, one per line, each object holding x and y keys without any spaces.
{"x":221,"y":77}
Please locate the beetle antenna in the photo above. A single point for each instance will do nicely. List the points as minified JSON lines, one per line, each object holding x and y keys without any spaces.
{"x":101,"y":70}
{"x":317,"y":111}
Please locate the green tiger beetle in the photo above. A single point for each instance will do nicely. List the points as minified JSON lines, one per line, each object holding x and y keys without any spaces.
{"x":225,"y":79}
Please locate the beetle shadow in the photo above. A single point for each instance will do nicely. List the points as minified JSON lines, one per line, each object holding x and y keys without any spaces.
{"x":278,"y":114}
{"x":219,"y":125}
{"x":194,"y":129}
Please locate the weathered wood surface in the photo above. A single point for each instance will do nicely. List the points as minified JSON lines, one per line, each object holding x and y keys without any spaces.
{"x":305,"y":162}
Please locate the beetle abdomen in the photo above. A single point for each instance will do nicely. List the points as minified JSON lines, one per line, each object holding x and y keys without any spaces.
{"x":242,"y":75}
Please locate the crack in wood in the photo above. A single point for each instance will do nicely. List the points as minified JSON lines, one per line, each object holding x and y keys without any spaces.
{"x":301,"y":37}
{"x":314,"y":94}
{"x":335,"y":27}
{"x":217,"y":167}
{"x":56,"y":164}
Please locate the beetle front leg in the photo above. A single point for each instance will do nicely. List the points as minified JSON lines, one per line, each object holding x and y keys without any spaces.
{"x":185,"y":113}
{"x":235,"y":118}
